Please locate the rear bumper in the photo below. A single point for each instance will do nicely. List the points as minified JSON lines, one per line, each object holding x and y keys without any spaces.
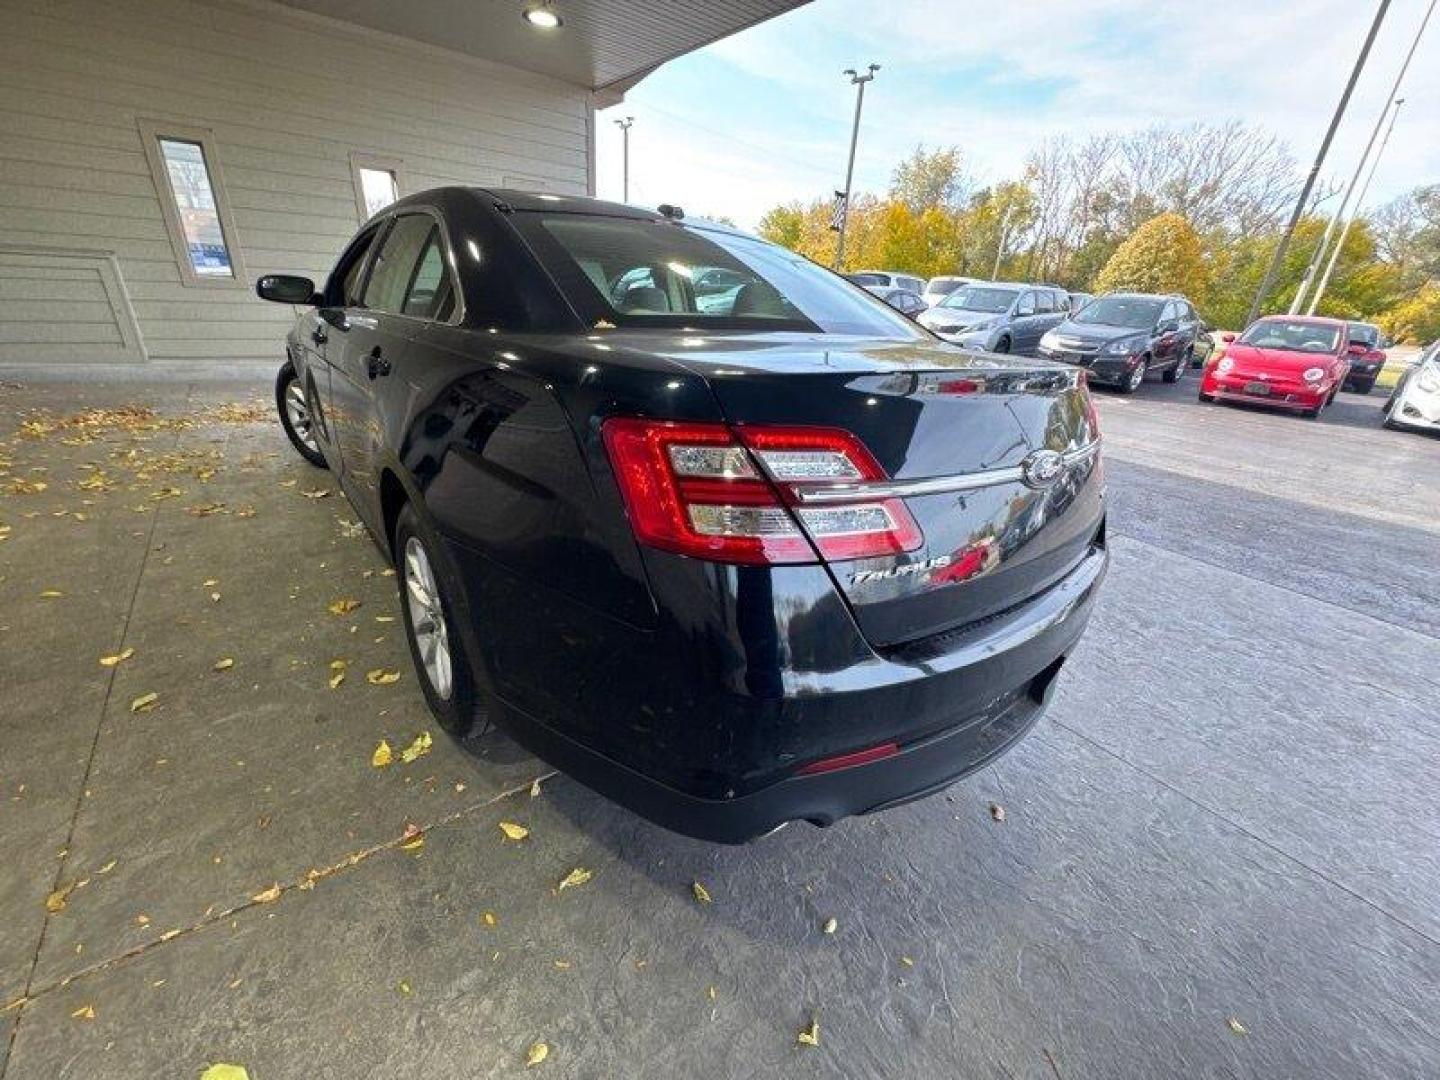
{"x":967,"y":697}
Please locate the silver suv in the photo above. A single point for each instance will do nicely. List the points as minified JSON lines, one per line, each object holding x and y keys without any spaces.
{"x":998,"y":316}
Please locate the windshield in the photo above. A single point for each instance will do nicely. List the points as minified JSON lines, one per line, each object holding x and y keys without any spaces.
{"x":1131,"y":311}
{"x":1364,"y":334}
{"x":1292,"y":335}
{"x":634,"y":272}
{"x":943,"y":286}
{"x":980,"y":298}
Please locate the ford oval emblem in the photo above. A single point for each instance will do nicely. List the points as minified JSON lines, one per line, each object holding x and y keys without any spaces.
{"x":1042,"y":468}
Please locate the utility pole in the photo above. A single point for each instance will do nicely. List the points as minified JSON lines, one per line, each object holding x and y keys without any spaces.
{"x":858,"y":81}
{"x":1359,"y":166}
{"x":624,"y":126}
{"x":1304,"y":198}
{"x":1355,"y":210}
{"x":1004,"y":236}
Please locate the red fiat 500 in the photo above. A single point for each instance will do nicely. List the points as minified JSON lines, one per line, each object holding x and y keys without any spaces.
{"x":1287,"y":363}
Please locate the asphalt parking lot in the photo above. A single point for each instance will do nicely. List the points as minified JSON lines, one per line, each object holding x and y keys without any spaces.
{"x":1217,"y":857}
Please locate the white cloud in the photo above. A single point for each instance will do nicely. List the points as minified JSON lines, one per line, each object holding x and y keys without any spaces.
{"x":954,"y":73}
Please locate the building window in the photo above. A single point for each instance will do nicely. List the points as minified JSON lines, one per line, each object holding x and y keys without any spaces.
{"x":378,"y":183}
{"x":192,"y":199}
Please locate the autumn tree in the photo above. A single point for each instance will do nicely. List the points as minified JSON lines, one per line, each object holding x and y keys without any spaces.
{"x":1162,"y":256}
{"x":930,"y":179}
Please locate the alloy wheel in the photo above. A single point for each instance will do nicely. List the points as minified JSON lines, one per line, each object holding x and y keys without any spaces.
{"x":297,"y":411}
{"x":1137,"y":376}
{"x":427,"y":618}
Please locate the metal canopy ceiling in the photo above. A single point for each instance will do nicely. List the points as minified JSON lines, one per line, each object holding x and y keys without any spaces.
{"x":603,"y":44}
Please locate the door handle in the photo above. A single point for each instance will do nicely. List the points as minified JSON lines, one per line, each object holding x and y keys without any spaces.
{"x":375,"y":364}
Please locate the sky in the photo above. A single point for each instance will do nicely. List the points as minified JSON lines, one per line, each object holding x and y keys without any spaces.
{"x":763,"y":117}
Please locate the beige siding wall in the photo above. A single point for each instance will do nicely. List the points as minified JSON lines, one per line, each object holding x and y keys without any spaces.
{"x":288,"y":97}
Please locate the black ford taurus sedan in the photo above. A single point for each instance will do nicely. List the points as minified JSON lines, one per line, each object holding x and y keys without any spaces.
{"x":732,"y":556}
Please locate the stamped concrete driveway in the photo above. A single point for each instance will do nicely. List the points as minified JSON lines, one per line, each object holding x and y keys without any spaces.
{"x":1219,"y":856}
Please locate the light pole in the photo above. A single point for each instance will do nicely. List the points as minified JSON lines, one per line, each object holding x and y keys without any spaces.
{"x":1284,"y":244}
{"x":858,"y":81}
{"x":1359,"y":167}
{"x":624,"y":126}
{"x":1004,"y":236}
{"x":1354,"y":211}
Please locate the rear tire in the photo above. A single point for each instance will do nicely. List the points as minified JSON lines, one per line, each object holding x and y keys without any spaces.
{"x":296,"y":416}
{"x":436,"y":649}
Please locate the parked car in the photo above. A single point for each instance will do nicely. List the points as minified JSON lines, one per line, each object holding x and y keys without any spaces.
{"x":937,"y":288}
{"x":1282,"y":361}
{"x":888,"y":279}
{"x":998,"y":317}
{"x":1415,"y":401}
{"x":1122,"y":337}
{"x":904,"y":301}
{"x":789,"y":558}
{"x":1367,"y":356}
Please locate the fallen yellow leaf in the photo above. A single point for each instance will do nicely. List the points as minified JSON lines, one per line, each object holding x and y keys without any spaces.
{"x":809,"y":1036}
{"x":337,"y":672}
{"x":414,"y":844}
{"x":831,"y":925}
{"x":419,"y":746}
{"x":1237,"y":1027}
{"x":381,"y":677}
{"x":51,"y":594}
{"x":57,"y":900}
{"x":489,"y":918}
{"x":342,"y":607}
{"x":144,"y":702}
{"x":224,"y":664}
{"x":225,"y":1072}
{"x":85,"y":1012}
{"x":576,"y":877}
{"x":268,"y":896}
{"x":317,"y":493}
{"x":537,"y":1053}
{"x":120,"y":657}
{"x":382,"y":755}
{"x":404,"y":988}
{"x":701,"y":893}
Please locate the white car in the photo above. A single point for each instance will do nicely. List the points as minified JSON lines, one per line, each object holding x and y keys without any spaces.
{"x":1415,"y":401}
{"x":887,"y":279}
{"x":937,"y":288}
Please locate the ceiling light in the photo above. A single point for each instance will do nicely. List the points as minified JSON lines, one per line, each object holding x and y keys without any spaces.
{"x":542,"y":17}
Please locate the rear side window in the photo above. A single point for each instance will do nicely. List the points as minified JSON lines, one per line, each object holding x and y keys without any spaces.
{"x":397,"y":262}
{"x":1044,"y":302}
{"x":430,"y":295}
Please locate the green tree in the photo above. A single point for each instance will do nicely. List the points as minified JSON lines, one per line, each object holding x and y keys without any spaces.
{"x":1163,"y":256}
{"x":784,"y":225}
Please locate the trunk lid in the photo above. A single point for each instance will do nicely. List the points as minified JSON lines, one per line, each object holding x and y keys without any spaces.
{"x":930,"y":412}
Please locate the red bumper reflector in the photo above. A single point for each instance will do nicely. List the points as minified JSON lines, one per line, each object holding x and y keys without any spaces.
{"x":846,"y":761}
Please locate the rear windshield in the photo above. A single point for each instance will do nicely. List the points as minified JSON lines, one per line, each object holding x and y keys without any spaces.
{"x":868,"y":280}
{"x":980,"y":298}
{"x":943,"y":285}
{"x":1292,"y":336}
{"x":1129,"y":311}
{"x":639,"y":273}
{"x":1364,"y":333}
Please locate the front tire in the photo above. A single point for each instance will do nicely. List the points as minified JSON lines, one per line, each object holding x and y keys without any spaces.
{"x":296,"y":416}
{"x":1002,"y":346}
{"x":1132,"y":382}
{"x":1172,"y":374}
{"x":431,"y":631}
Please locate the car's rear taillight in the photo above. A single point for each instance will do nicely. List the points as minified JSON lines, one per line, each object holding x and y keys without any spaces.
{"x":706,"y":490}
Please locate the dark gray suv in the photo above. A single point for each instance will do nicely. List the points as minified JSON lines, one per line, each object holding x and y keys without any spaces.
{"x":998,"y":316}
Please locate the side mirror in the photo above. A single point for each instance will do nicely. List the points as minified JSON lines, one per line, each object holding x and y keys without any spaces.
{"x":287,"y":289}
{"x":1227,"y":338}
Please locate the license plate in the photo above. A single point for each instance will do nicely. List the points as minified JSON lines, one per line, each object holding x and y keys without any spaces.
{"x":1260,"y":389}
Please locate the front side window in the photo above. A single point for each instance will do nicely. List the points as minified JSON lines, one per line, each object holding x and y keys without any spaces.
{"x":1132,"y":312}
{"x":193,"y":203}
{"x":633,"y":272}
{"x":980,"y":298}
{"x":1293,"y":335}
